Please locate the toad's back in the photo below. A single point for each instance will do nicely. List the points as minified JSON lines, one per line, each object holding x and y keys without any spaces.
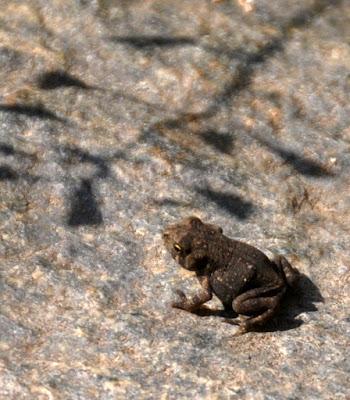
{"x":224,"y":252}
{"x":236,"y":266}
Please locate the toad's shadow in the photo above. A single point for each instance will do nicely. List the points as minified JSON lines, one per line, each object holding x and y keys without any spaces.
{"x":301,"y":299}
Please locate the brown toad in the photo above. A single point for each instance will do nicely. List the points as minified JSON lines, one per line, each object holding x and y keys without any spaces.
{"x":241,"y":276}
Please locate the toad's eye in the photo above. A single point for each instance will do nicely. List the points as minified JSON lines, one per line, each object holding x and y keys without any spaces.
{"x":177,"y":247}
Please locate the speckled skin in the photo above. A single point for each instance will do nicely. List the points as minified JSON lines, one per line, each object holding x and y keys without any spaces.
{"x":240,"y":275}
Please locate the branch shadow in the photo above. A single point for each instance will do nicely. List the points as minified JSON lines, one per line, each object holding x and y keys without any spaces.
{"x":74,"y":155}
{"x":182,"y":154}
{"x":305,"y":17}
{"x":241,"y":80}
{"x":250,"y":60}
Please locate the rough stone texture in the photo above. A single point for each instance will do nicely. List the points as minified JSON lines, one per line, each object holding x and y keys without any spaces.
{"x":119,"y":117}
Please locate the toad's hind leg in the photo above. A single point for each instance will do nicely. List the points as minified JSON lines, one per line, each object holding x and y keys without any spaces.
{"x":262,"y":301}
{"x":291,"y":275}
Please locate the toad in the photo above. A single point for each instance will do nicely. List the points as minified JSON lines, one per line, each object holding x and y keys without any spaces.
{"x":244,"y":279}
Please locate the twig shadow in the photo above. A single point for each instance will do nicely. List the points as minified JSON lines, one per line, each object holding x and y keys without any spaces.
{"x":150,"y":42}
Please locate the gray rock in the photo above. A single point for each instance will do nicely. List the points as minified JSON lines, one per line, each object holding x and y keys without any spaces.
{"x":118,"y":118}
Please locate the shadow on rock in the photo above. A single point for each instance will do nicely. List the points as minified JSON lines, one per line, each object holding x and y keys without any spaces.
{"x":84,"y":207}
{"x":249,"y":61}
{"x":147,"y":42}
{"x":301,"y":164}
{"x":230,"y":202}
{"x":166,"y":202}
{"x":57,"y":79}
{"x":221,"y":141}
{"x":73,"y":155}
{"x":7,"y":149}
{"x":7,"y":173}
{"x":36,"y":111}
{"x":302,"y":299}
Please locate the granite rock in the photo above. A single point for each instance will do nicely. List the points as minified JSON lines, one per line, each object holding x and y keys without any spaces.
{"x":120,"y":117}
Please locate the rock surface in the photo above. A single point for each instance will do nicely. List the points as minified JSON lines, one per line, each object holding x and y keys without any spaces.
{"x":119,"y":117}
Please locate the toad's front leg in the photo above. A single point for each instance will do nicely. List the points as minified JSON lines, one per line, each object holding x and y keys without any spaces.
{"x":194,"y":302}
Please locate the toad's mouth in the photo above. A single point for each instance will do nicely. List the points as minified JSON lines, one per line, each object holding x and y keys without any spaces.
{"x":198,"y":265}
{"x":202,"y":263}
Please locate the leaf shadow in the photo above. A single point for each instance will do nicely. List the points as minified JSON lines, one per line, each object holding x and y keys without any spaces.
{"x":58,"y":78}
{"x":84,"y":207}
{"x":7,"y":173}
{"x":303,"y":165}
{"x":34,"y":111}
{"x":221,"y":141}
{"x":229,"y":202}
